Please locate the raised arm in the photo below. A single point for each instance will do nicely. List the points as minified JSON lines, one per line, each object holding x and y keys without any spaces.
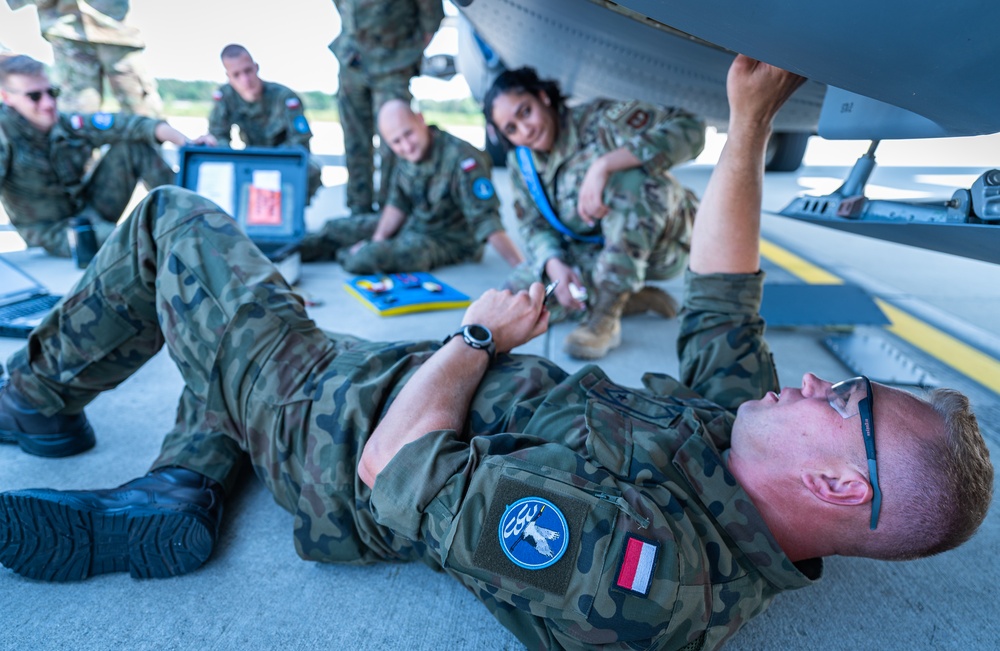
{"x":726,"y":235}
{"x":438,"y":395}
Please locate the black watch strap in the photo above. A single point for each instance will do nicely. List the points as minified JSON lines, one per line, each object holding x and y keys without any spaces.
{"x":476,"y":336}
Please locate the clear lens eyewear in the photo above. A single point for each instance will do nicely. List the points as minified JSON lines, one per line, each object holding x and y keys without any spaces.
{"x":850,"y":398}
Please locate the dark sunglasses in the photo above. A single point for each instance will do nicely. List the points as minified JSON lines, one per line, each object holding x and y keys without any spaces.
{"x":36,"y":95}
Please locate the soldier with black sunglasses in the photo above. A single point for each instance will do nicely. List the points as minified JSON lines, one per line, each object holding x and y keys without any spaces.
{"x":47,"y":173}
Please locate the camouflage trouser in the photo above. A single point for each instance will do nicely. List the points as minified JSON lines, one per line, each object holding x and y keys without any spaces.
{"x":80,"y":69}
{"x":106,"y":195}
{"x":358,"y":101}
{"x":406,"y":251}
{"x":647,"y":235}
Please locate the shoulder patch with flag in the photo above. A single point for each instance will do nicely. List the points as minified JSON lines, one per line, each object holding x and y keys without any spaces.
{"x":76,"y":121}
{"x":635,"y":573}
{"x":217,"y":95}
{"x":293,"y":103}
{"x":468,"y":164}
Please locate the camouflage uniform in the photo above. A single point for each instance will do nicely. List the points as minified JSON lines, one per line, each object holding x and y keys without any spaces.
{"x":450,"y":206}
{"x":90,"y":41}
{"x":47,"y":178}
{"x":647,"y":231}
{"x":277,"y":119}
{"x":379,"y":48}
{"x":622,"y":464}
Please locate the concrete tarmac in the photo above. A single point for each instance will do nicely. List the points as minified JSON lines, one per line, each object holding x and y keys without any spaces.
{"x":256,"y":594}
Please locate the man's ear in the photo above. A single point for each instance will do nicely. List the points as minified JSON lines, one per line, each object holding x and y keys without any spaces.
{"x":845,"y":487}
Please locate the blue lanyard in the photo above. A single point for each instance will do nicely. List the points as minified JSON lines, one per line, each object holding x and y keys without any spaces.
{"x":530,"y":174}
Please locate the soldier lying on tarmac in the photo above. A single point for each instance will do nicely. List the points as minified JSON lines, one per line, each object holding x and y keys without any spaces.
{"x":579,"y":512}
{"x":45,"y":156}
{"x":441,"y":206}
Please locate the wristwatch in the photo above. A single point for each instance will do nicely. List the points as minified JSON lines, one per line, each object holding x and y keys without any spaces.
{"x":477,"y":336}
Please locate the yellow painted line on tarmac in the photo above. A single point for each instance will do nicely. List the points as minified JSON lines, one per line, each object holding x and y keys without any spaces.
{"x":963,"y":358}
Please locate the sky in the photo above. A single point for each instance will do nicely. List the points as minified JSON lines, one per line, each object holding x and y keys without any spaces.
{"x":184,"y":37}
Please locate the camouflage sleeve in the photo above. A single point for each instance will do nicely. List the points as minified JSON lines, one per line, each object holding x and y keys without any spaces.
{"x":294,"y":118}
{"x":107,"y":128}
{"x":661,"y":137}
{"x":220,"y":124}
{"x":476,"y":195}
{"x":396,"y":196}
{"x":431,"y":14}
{"x":4,"y":157}
{"x":541,"y":241}
{"x":721,"y":347}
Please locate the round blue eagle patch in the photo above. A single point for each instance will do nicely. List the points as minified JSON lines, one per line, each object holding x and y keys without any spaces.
{"x":483,"y":189}
{"x":102,"y":121}
{"x":301,"y":125}
{"x":533,"y":533}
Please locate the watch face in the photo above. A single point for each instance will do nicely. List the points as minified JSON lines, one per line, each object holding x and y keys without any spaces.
{"x":479,"y":334}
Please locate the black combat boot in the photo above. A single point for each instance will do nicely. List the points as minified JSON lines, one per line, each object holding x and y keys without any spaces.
{"x":163,"y":524}
{"x":45,"y":436}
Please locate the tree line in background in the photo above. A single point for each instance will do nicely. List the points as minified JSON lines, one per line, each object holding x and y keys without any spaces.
{"x":176,"y":91}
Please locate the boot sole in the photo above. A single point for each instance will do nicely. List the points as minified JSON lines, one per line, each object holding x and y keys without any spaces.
{"x":44,"y":536}
{"x":52,"y":445}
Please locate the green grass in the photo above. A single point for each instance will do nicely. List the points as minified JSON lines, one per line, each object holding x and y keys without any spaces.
{"x":202,"y":109}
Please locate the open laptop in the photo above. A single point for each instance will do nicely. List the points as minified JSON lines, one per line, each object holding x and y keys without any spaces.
{"x":263,"y":189}
{"x":23,"y":301}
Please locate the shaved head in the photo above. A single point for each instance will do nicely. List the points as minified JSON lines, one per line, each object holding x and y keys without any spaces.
{"x":405,"y":131}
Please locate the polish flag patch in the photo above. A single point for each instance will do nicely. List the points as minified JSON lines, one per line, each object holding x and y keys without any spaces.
{"x":217,"y":95}
{"x":468,"y":164}
{"x":635,"y":574}
{"x":293,"y":103}
{"x":76,"y":121}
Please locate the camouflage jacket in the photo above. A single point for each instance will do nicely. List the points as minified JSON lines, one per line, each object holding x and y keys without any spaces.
{"x":660,"y":137}
{"x":449,"y":193}
{"x":378,"y":37}
{"x":93,"y":21}
{"x":42,"y":175}
{"x":580,"y":512}
{"x":276,"y":120}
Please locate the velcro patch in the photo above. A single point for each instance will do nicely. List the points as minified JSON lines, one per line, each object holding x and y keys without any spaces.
{"x":293,"y":103}
{"x":76,"y":121}
{"x":618,"y":110}
{"x":102,"y":121}
{"x":217,"y":95}
{"x":468,"y":164}
{"x":483,"y":189}
{"x":543,"y":555}
{"x":635,"y":571}
{"x":301,"y":125}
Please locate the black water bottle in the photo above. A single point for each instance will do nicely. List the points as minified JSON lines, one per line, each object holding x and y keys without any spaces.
{"x":82,"y":241}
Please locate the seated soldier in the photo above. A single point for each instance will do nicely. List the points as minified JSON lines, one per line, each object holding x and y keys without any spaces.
{"x":267,"y":114}
{"x":45,"y":159}
{"x":581,"y":513}
{"x":441,"y":206}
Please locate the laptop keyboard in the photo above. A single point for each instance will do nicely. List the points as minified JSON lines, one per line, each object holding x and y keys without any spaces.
{"x":31,"y":306}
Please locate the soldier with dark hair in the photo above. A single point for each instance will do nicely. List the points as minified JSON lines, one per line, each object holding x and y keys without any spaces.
{"x":267,"y":114}
{"x":581,"y":513}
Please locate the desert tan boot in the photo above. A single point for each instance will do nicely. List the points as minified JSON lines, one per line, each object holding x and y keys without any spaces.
{"x":602,"y":330}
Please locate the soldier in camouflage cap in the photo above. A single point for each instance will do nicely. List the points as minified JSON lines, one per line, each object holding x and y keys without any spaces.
{"x":267,"y":114}
{"x":91,"y":43}
{"x":47,"y":172}
{"x":441,"y":206}
{"x":595,"y":204}
{"x":581,"y":513}
{"x":380,"y":47}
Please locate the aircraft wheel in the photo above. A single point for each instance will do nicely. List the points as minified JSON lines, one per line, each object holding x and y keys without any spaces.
{"x":785,"y":151}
